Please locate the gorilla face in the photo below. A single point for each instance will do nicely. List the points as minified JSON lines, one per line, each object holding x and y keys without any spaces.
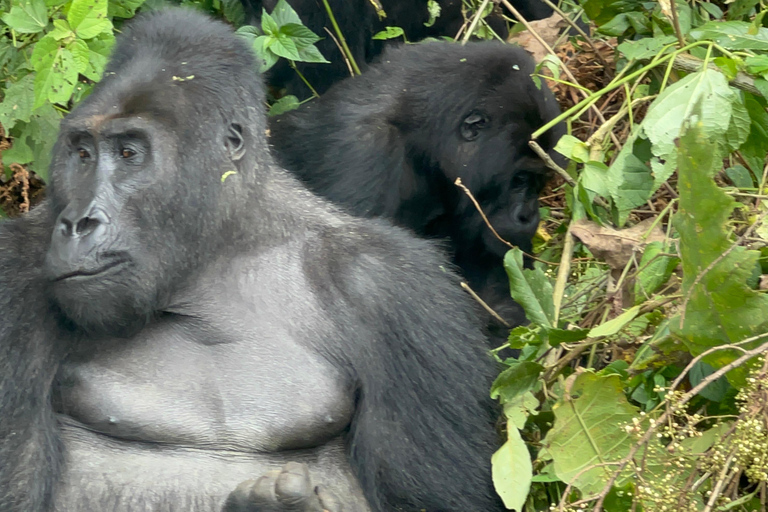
{"x":104,"y":273}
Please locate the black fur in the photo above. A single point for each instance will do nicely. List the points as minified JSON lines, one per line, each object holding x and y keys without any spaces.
{"x":155,"y":287}
{"x":392,"y":142}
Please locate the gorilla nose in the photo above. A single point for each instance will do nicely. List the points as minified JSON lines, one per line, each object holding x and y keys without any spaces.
{"x":527,"y":218}
{"x":80,"y":226}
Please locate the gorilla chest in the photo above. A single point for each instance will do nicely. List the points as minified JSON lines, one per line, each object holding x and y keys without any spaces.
{"x":204,"y":383}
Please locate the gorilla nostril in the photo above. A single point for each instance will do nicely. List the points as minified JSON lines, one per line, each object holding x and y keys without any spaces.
{"x":66,"y":227}
{"x":86,"y":225}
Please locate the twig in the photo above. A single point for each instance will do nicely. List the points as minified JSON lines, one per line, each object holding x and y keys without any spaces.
{"x":562,"y":273}
{"x":578,"y":29}
{"x":338,"y":45}
{"x":341,"y":37}
{"x":567,"y":71}
{"x":749,"y":354}
{"x":676,"y":23}
{"x":475,"y":21}
{"x":484,"y":304}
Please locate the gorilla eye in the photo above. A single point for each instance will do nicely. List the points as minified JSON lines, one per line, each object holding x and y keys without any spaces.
{"x":473,"y":123}
{"x":127,"y":153}
{"x":83,"y":153}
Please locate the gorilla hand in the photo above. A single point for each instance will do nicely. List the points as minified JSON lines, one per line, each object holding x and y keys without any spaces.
{"x":285,"y":490}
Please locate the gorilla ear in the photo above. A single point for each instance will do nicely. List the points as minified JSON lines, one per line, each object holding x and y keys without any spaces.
{"x":472,"y":124}
{"x":234,"y":142}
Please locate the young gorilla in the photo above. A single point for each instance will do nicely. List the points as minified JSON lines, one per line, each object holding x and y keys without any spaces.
{"x":358,"y":22}
{"x":181,"y":316}
{"x":392,"y":142}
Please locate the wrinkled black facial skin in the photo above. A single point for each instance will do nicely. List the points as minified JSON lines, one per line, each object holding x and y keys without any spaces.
{"x":392,"y":143}
{"x":358,"y":21}
{"x":182,"y":315}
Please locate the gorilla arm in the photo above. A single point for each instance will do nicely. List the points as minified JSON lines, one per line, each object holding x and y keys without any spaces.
{"x":422,"y":434}
{"x":28,"y":363}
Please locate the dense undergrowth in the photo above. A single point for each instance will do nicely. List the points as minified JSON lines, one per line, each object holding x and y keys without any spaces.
{"x":641,"y":381}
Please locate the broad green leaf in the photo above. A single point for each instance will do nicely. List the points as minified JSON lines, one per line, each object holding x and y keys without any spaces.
{"x":714,"y":391}
{"x":311,"y":54}
{"x":27,"y":16}
{"x":88,"y":18}
{"x":284,"y":104}
{"x":268,"y":24}
{"x":283,"y":14}
{"x":99,"y":50}
{"x":20,"y":152}
{"x":512,"y":470}
{"x":755,"y":147}
{"x":738,"y":9}
{"x":56,"y":76}
{"x":590,"y":430}
{"x":655,"y":270}
{"x":647,"y":47}
{"x":531,"y":289}
{"x":267,"y":57}
{"x":61,"y":30}
{"x":43,"y":129}
{"x":389,"y":33}
{"x":18,"y":101}
{"x":733,"y":35}
{"x":283,"y":46}
{"x":558,"y":336}
{"x":300,"y":34}
{"x":595,"y":178}
{"x":719,"y":306}
{"x":125,"y":8}
{"x":740,"y":176}
{"x":613,"y":326}
{"x":516,"y":380}
{"x":519,"y":408}
{"x":572,"y":148}
{"x":603,"y":11}
{"x":80,"y":53}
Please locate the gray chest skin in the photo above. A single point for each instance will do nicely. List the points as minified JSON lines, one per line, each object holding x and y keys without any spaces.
{"x":216,"y":391}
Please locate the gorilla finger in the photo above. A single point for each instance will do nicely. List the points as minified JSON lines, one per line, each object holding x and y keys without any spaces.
{"x":237,"y":501}
{"x":328,"y":501}
{"x":294,"y":491}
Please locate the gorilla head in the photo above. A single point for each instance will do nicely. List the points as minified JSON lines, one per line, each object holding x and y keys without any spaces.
{"x":393,"y":142}
{"x":122,"y":162}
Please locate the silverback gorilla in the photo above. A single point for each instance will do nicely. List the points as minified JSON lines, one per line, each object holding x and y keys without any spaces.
{"x":392,"y":142}
{"x":358,"y":22}
{"x":186,"y":328}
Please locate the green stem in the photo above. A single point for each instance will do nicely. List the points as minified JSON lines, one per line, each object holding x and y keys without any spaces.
{"x":343,"y":41}
{"x":314,"y":92}
{"x":618,"y":83}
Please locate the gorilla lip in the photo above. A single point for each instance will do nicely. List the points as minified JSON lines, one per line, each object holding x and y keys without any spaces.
{"x":91,"y":272}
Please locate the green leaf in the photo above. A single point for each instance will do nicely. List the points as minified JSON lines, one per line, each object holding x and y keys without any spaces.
{"x":18,"y":101}
{"x":733,"y":35}
{"x":719,"y":306}
{"x":61,"y":30}
{"x":516,"y":380}
{"x":512,"y":470}
{"x":263,"y":53}
{"x":20,"y":151}
{"x":234,"y":12}
{"x":572,"y":148}
{"x":283,"y":14}
{"x":740,"y":176}
{"x":80,"y":53}
{"x":56,"y":72}
{"x":88,"y":18}
{"x":283,"y":46}
{"x":647,"y":47}
{"x":99,"y":50}
{"x":268,"y":24}
{"x":284,"y":104}
{"x":531,"y":289}
{"x":519,"y":408}
{"x":300,"y":35}
{"x":613,"y":326}
{"x":389,"y":33}
{"x":655,"y":270}
{"x":714,"y":391}
{"x":311,"y":54}
{"x":43,"y":129}
{"x":590,"y":430}
{"x":433,"y":8}
{"x":27,"y":16}
{"x":126,"y":8}
{"x":558,"y":336}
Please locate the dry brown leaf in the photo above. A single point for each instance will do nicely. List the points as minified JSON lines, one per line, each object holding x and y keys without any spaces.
{"x":549,"y":29}
{"x":616,"y":246}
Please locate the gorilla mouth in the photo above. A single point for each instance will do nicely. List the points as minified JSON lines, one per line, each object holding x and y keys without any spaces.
{"x":86,"y":273}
